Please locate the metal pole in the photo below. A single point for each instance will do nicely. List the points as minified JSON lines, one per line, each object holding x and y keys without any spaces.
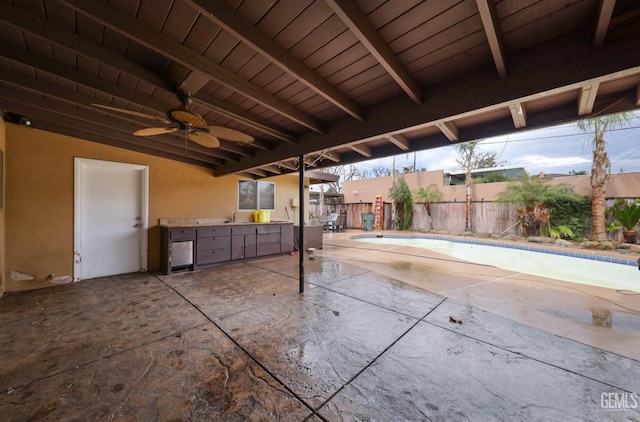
{"x":301,"y":223}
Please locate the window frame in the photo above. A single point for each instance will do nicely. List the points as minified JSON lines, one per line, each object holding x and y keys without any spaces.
{"x":256,"y":200}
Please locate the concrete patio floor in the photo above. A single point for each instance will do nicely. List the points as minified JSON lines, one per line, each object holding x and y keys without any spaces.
{"x":365,"y":341}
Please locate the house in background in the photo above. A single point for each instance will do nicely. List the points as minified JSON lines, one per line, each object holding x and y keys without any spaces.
{"x":507,"y":173}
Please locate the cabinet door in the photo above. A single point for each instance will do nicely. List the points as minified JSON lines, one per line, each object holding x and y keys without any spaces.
{"x":237,"y":246}
{"x":250,"y":244}
{"x":243,"y":246}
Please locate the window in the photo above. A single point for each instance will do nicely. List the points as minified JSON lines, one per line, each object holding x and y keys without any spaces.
{"x":254,"y":195}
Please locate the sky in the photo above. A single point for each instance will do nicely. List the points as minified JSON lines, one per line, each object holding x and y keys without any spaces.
{"x":558,"y":149}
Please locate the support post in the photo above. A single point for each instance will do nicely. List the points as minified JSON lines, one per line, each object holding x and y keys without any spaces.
{"x":301,"y":223}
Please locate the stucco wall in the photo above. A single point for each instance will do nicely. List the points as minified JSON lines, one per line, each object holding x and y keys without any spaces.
{"x":39,"y":199}
{"x":3,"y":206}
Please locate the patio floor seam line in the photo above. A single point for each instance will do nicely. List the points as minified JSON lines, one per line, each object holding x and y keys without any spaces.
{"x":245,"y":351}
{"x":537,"y":359}
{"x":375,"y":304}
{"x":393,"y":343}
{"x":81,"y":365}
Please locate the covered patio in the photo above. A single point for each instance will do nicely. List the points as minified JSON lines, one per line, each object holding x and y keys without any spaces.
{"x":240,"y":343}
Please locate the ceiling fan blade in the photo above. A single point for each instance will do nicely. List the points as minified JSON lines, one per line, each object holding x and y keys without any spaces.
{"x":133,"y":113}
{"x":154,"y":131}
{"x":204,"y":139}
{"x":186,"y":116}
{"x":229,"y":134}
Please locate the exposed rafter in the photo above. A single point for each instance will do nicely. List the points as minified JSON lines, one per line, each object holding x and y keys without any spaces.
{"x":449,"y":129}
{"x":489,"y":16}
{"x":587,"y":98}
{"x":258,"y":172}
{"x":362,"y":149}
{"x":518,"y":115}
{"x":352,"y":16}
{"x":129,"y":27}
{"x":602,"y":24}
{"x":22,"y":19}
{"x":568,"y":64}
{"x":400,"y":141}
{"x":223,"y":15}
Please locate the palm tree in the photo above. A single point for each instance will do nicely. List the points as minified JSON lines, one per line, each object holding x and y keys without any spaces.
{"x":428,"y":196}
{"x":531,"y":194}
{"x":601,"y":167}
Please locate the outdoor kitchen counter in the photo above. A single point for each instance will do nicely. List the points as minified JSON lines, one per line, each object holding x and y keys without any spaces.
{"x":207,"y":244}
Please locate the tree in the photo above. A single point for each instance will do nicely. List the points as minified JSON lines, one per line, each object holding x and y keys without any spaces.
{"x":379,"y":171}
{"x":531,"y":195}
{"x":401,"y":196}
{"x":428,"y":196}
{"x":470,"y":159}
{"x":346,"y":173}
{"x":466,"y":158}
{"x":601,"y":167}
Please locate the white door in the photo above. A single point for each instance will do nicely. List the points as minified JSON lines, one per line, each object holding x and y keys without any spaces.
{"x":110,"y":221}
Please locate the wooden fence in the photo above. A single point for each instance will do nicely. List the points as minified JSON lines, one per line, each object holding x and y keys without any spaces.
{"x":488,"y":217}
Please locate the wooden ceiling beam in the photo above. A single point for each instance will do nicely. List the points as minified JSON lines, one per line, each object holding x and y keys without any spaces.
{"x":569,"y":62}
{"x":74,"y":75}
{"x":449,"y":130}
{"x":400,"y":141}
{"x":35,"y":25}
{"x":40,"y":100}
{"x":258,"y":172}
{"x":59,"y":123}
{"x":350,"y":13}
{"x":518,"y":115}
{"x":491,"y":23}
{"x":225,"y":16}
{"x":362,"y":149}
{"x":23,"y":20}
{"x":605,"y":11}
{"x":587,"y":98}
{"x":243,"y":117}
{"x":161,"y":44}
{"x":272,"y":168}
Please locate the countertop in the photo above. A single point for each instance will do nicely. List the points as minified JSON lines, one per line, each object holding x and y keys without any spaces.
{"x":204,"y":222}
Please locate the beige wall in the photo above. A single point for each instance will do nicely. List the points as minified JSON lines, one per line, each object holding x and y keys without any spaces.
{"x":39,"y":199}
{"x":619,"y":185}
{"x":3,"y":202}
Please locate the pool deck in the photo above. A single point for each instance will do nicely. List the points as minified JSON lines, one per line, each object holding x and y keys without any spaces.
{"x":381,"y":332}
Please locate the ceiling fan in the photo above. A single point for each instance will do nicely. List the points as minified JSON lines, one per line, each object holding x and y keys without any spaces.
{"x":184,"y":119}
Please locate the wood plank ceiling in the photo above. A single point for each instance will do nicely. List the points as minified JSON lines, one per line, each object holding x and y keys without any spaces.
{"x":338,"y":81}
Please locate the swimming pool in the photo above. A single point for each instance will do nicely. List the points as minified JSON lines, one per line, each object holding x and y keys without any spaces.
{"x":566,"y":265}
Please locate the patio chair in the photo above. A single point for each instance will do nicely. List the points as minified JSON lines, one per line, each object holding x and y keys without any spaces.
{"x":340,"y":222}
{"x":330,"y":222}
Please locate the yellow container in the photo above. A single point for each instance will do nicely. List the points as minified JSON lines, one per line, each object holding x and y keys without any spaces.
{"x":261,"y":216}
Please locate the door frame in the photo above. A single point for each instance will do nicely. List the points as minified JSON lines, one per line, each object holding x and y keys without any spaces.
{"x":79,"y":167}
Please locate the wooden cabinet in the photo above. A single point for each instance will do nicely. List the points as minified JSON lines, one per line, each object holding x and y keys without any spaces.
{"x":267,"y":240}
{"x":216,"y":245}
{"x":213,"y":245}
{"x":243,"y":242}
